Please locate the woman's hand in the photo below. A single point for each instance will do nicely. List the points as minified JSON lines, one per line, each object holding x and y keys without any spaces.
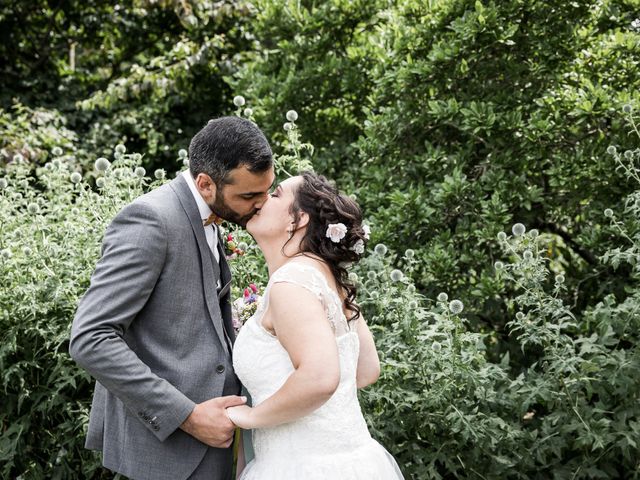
{"x":241,"y":416}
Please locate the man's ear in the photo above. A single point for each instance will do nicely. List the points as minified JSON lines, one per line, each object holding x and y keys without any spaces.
{"x":206,"y":187}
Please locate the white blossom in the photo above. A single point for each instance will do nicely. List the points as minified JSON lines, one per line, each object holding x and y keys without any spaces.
{"x":292,"y":115}
{"x":456,"y":307}
{"x":75,"y":177}
{"x":102,"y":164}
{"x":238,"y":101}
{"x":518,"y":229}
{"x":140,"y":172}
{"x":381,"y":249}
{"x":336,"y":232}
{"x":367,"y":231}
{"x":358,"y":247}
{"x":396,"y":275}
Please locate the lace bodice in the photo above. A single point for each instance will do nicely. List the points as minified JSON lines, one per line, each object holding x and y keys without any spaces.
{"x":263,"y":365}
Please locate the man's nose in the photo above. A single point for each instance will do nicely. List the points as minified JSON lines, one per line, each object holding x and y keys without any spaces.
{"x":262,"y":200}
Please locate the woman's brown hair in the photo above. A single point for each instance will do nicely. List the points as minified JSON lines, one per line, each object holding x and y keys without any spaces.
{"x":325,"y":205}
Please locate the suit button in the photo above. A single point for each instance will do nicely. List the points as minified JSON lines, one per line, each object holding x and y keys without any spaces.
{"x":220,"y":369}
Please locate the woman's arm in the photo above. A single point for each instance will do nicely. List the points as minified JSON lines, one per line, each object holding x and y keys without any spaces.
{"x":301,"y":324}
{"x":368,"y":362}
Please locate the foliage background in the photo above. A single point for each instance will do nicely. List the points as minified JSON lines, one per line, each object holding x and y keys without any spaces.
{"x":449,"y":120}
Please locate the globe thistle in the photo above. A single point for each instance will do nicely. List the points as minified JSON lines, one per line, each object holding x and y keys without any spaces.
{"x":3,"y":183}
{"x":288,"y":126}
{"x":238,"y":101}
{"x":534,"y":233}
{"x":443,"y":297}
{"x":18,"y":158}
{"x":136,"y":157}
{"x":527,"y":255}
{"x":627,"y":108}
{"x":412,"y":305}
{"x":611,"y":150}
{"x":518,"y":229}
{"x":56,"y":151}
{"x":121,"y":149}
{"x":75,"y":211}
{"x":185,"y":162}
{"x":56,"y":162}
{"x":292,"y":115}
{"x":6,"y":254}
{"x":243,"y":246}
{"x":628,"y":155}
{"x":409,"y":253}
{"x":559,"y":278}
{"x":456,"y":307}
{"x":140,"y":172}
{"x":380,"y":249}
{"x":411,"y":289}
{"x":182,"y":153}
{"x":436,"y":347}
{"x":100,"y":183}
{"x":520,"y":316}
{"x":27,"y":251}
{"x":75,"y":177}
{"x":159,"y":174}
{"x":502,"y":236}
{"x":102,"y":164}
{"x":248,"y":112}
{"x":396,"y":275}
{"x":353,"y":277}
{"x":608,"y":213}
{"x":33,"y":208}
{"x":498,"y":265}
{"x":371,"y":275}
{"x":48,"y":166}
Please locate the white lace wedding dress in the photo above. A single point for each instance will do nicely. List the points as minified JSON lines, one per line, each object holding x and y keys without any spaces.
{"x":333,"y":442}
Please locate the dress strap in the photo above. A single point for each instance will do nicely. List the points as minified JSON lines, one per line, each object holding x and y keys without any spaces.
{"x":312,"y":279}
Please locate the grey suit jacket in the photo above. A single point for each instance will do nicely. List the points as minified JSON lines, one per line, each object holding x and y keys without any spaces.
{"x":151,"y":331}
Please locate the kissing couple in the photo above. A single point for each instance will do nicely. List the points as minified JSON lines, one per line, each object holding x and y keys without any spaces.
{"x":155,"y":329}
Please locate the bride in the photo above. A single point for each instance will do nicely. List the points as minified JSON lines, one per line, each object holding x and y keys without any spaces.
{"x":307,"y":349}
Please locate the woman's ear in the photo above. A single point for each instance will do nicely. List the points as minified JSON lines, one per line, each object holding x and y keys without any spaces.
{"x":303,"y":220}
{"x":206,"y":187}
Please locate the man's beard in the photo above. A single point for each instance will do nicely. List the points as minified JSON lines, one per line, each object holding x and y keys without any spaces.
{"x":220,"y":209}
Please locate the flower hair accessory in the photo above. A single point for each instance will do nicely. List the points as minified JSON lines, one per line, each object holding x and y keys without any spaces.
{"x":358,"y":247}
{"x":336,"y":232}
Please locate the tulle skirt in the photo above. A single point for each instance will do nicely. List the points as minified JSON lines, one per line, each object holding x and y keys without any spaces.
{"x":369,"y":462}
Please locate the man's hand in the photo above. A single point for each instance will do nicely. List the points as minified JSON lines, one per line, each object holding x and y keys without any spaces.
{"x":209,"y":422}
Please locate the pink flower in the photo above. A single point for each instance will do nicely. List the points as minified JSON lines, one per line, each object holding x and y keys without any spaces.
{"x":336,"y":232}
{"x":253,"y":287}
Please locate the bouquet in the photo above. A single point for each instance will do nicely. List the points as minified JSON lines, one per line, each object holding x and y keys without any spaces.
{"x":244,"y":307}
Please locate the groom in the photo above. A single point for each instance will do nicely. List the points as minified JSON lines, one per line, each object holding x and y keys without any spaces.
{"x":154,"y":327}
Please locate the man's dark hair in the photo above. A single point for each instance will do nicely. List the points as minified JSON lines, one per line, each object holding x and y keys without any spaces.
{"x":225,"y":144}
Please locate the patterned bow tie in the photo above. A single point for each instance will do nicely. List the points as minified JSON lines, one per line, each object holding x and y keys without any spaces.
{"x":213,"y":218}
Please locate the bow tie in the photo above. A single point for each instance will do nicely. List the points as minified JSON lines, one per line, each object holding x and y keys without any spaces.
{"x":213,"y":218}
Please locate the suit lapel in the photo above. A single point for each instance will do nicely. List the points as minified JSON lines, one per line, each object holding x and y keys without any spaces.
{"x":210,"y":269}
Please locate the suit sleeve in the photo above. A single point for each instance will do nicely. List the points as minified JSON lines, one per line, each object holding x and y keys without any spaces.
{"x":133,"y":255}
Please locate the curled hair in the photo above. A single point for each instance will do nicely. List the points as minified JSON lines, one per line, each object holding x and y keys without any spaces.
{"x":324,"y":205}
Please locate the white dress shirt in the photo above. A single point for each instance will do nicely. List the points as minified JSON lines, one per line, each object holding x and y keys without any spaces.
{"x":210,"y":231}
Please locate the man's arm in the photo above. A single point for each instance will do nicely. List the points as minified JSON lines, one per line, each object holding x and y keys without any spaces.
{"x":133,"y":255}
